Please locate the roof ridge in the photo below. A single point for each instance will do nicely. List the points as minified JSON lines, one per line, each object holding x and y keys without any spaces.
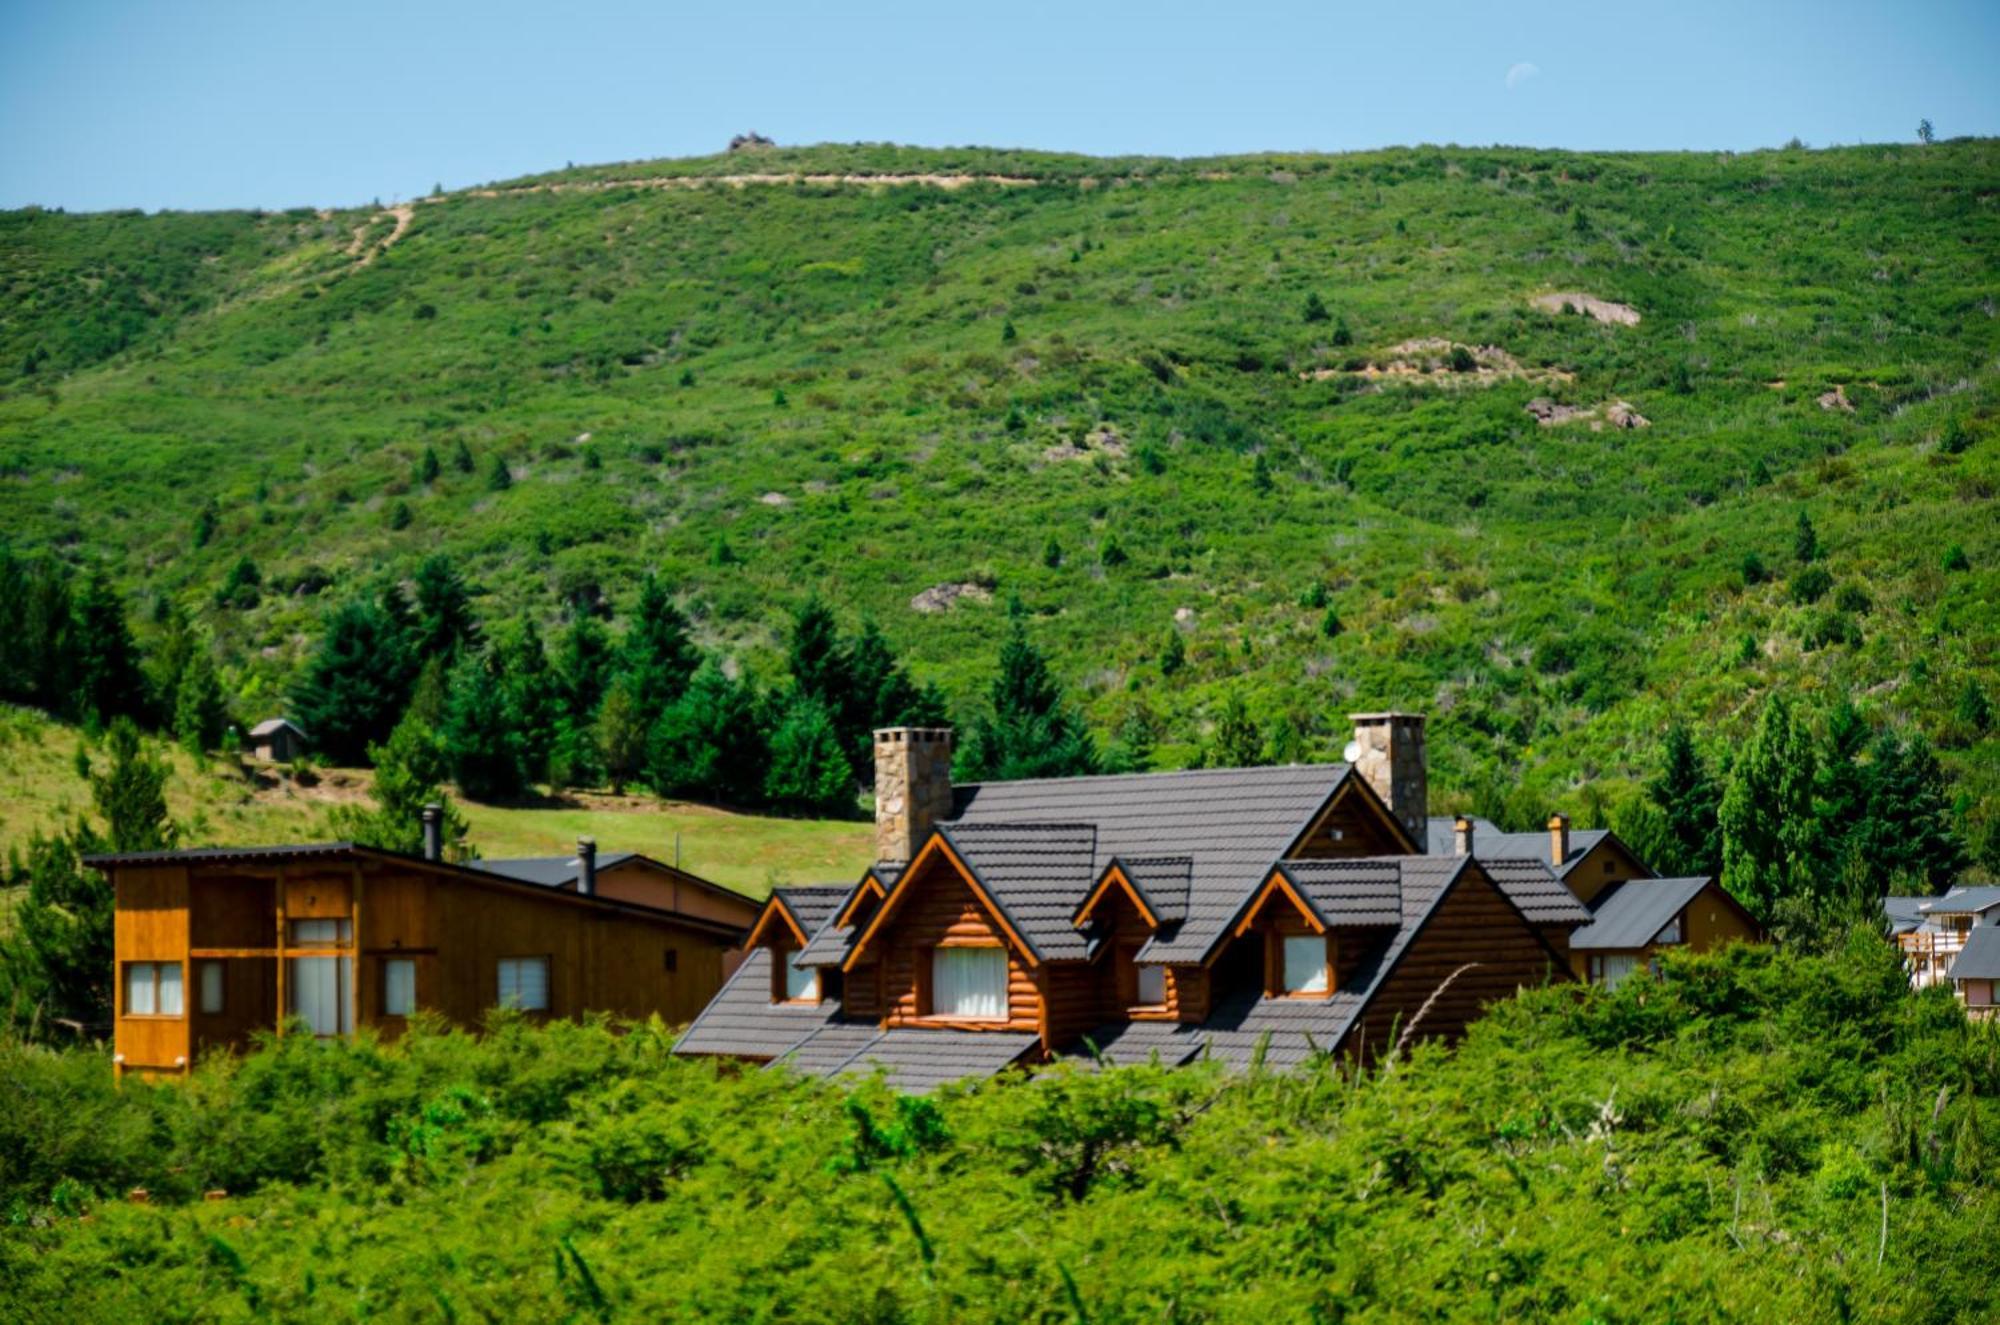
{"x":1160,"y":774}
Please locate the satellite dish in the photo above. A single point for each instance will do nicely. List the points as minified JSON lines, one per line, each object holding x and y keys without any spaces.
{"x":1352,"y":754}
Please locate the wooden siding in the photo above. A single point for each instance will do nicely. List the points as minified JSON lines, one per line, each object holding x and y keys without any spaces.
{"x":151,"y":925}
{"x":649,"y":883}
{"x":941,"y":908}
{"x":1604,"y":864}
{"x":1712,"y":921}
{"x":1473,"y":924}
{"x":1351,"y":826}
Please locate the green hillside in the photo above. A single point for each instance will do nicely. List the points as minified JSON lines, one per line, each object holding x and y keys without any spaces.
{"x":1277,"y":405}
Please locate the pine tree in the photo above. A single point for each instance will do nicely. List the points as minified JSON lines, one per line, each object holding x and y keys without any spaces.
{"x":533,"y":692}
{"x":809,"y":772}
{"x":814,"y":655}
{"x":461,"y":456}
{"x":1029,"y":731}
{"x":107,"y":678}
{"x":357,"y":682}
{"x":445,"y":621}
{"x":130,"y":796}
{"x":1173,"y":655}
{"x":409,"y":772}
{"x":1315,"y":310}
{"x":1688,"y":798}
{"x":708,"y":744}
{"x":586,"y":667}
{"x":658,"y":655}
{"x":1907,"y":827}
{"x":621,"y":733}
{"x":428,"y":467}
{"x":201,"y":714}
{"x":499,"y":477}
{"x":480,"y":744}
{"x":1260,"y":474}
{"x":56,"y":954}
{"x":1974,"y":712}
{"x":1052,"y":553}
{"x":1805,"y":540}
{"x":1766,"y":816}
{"x":1238,"y":741}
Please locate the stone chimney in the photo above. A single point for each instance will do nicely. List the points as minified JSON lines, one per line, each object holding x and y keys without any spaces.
{"x":1558,"y":839}
{"x":912,"y":788}
{"x":586,"y":866}
{"x":1388,"y":750}
{"x":1461,"y":836}
{"x":433,"y":832}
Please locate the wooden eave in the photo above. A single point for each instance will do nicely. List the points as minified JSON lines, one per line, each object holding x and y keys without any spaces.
{"x":935,"y":847}
{"x":869,"y":884}
{"x":1355,"y":785}
{"x":775,"y":907}
{"x":1114,"y":875}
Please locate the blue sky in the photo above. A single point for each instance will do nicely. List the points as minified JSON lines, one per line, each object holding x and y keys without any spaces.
{"x":217,"y":103}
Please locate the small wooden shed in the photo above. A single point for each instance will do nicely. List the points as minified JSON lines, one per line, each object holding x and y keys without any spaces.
{"x":277,"y":741}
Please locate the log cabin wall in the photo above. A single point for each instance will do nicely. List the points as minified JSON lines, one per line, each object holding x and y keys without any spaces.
{"x":1351,"y":826}
{"x":943,"y":909}
{"x":1473,"y":924}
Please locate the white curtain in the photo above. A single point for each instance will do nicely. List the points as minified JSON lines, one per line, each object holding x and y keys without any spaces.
{"x":318,"y":987}
{"x":1617,"y":966}
{"x":399,"y":987}
{"x":1305,"y":964}
{"x":969,"y":983}
{"x":524,"y":983}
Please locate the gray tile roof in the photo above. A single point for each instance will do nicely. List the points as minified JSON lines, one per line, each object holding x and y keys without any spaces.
{"x":916,"y":1059}
{"x":813,"y":904}
{"x":1979,"y":959}
{"x":1349,"y":892}
{"x":1036,"y":874}
{"x":1125,"y":1043}
{"x":1904,"y":914}
{"x":829,"y":947}
{"x":825,"y":1051}
{"x":741,"y":1020}
{"x":548,"y":871}
{"x":1963,"y":901}
{"x":1543,"y":898}
{"x":1231,"y":824}
{"x":1489,"y":843}
{"x":1164,"y":881}
{"x":1629,"y":914}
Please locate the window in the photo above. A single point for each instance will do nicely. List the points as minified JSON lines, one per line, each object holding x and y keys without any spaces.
{"x":211,"y":987}
{"x":1670,"y":932}
{"x":318,"y":989}
{"x":153,"y":989}
{"x":524,"y":983}
{"x":1305,"y":964}
{"x":399,"y":986}
{"x":801,"y":983}
{"x":1614,"y":968}
{"x":312,"y":933}
{"x":1152,"y":986}
{"x":970,"y":983}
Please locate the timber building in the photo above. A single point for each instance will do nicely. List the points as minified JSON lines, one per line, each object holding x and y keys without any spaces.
{"x":212,"y":944}
{"x":1269,"y":913}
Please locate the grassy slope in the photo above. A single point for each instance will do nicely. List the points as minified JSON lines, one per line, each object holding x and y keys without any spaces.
{"x":1551,"y":594}
{"x":40,"y":790}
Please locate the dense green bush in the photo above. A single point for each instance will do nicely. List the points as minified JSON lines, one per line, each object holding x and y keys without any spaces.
{"x":1754,"y":1136}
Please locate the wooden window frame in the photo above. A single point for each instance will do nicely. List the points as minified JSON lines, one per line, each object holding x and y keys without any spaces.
{"x":153,"y":964}
{"x":201,"y":969}
{"x":781,"y":965}
{"x":1274,"y":964}
{"x":388,"y":962}
{"x":548,"y":982}
{"x":927,"y":986}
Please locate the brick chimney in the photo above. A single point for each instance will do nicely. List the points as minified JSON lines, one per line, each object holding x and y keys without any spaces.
{"x":1461,"y":836}
{"x":586,"y":866}
{"x":1388,"y":750}
{"x":912,"y":788}
{"x":1558,"y":839}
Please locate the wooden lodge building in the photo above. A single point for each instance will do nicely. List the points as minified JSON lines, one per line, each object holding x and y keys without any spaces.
{"x":1229,"y":913}
{"x":212,"y":944}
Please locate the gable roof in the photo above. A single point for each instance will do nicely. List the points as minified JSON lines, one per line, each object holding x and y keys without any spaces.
{"x":1034,"y":873}
{"x":1905,"y":914}
{"x":1489,"y":843}
{"x":548,"y":871}
{"x":1349,"y":892}
{"x":1979,"y":959}
{"x":1230,"y":824}
{"x":270,"y":725}
{"x":1963,"y":901}
{"x":1534,"y":887}
{"x":1629,"y":914}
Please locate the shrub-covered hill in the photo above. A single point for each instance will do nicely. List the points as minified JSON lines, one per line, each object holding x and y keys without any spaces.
{"x":1274,"y":407}
{"x":1760,"y":1136}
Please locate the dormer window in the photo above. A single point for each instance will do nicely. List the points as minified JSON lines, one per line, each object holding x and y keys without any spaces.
{"x":1304,"y":967}
{"x":1152,"y":986}
{"x":794,"y":984}
{"x":968,"y":983}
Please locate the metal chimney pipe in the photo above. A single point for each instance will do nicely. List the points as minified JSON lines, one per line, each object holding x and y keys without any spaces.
{"x":586,"y":860}
{"x":1461,"y":833}
{"x":433,"y":832}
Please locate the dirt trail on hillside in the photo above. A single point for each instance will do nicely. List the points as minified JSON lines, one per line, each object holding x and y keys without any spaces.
{"x":362,"y":251}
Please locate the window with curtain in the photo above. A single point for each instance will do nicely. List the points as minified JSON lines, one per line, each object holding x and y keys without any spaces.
{"x":970,"y":983}
{"x":801,"y":986}
{"x":1152,"y":986}
{"x":309,"y":933}
{"x":524,"y":983}
{"x":1305,"y":964}
{"x":1613,"y":969}
{"x":318,"y":989}
{"x":153,"y":989}
{"x":399,"y":986}
{"x":211,"y":987}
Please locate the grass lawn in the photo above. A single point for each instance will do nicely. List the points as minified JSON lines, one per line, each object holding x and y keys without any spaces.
{"x":41,"y":790}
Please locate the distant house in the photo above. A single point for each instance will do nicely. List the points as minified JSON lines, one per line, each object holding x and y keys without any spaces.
{"x":1587,"y":860}
{"x":1975,"y":972}
{"x":1933,"y":931}
{"x":214,"y":945}
{"x":277,"y":741}
{"x":1238,"y":914}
